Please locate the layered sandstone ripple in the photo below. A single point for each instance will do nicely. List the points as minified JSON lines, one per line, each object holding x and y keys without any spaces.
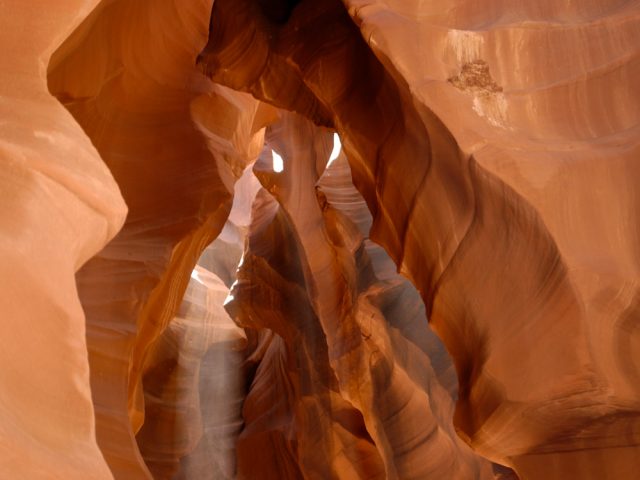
{"x":496,"y":147}
{"x":162,"y":320}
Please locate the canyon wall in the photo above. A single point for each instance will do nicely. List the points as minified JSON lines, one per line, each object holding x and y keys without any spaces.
{"x":60,"y":206}
{"x":259,"y":320}
{"x":502,"y":221}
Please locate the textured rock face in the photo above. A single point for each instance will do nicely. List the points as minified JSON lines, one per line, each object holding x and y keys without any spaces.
{"x":175,"y":143}
{"x":490,"y":152}
{"x":362,"y":329}
{"x":498,"y":223}
{"x":59,"y":206}
{"x":194,"y":388}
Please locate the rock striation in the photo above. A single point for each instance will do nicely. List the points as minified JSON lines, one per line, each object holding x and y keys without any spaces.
{"x":486,"y":231}
{"x":364,"y":334}
{"x":199,"y":284}
{"x":175,"y":144}
{"x":59,"y":206}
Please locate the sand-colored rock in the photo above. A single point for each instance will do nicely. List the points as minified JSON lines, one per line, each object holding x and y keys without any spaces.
{"x":59,"y":206}
{"x":555,"y":133}
{"x":495,"y":146}
{"x":514,"y":212}
{"x":194,"y":376}
{"x":194,"y":388}
{"x":175,"y":144}
{"x":297,"y":424}
{"x":378,"y":371}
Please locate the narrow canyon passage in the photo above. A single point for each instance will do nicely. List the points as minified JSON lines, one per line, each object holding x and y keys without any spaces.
{"x":306,"y":341}
{"x":363,"y":240}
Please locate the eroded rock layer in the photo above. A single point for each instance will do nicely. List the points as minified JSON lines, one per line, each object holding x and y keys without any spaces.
{"x":59,"y":206}
{"x":490,"y":152}
{"x":493,"y":216}
{"x":195,"y":374}
{"x":175,"y":144}
{"x":194,"y":388}
{"x":379,"y":371}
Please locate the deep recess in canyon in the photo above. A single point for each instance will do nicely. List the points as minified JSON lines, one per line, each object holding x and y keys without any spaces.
{"x":320,"y":239}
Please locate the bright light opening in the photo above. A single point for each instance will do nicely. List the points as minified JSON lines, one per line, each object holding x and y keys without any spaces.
{"x":337,"y":146}
{"x":230,"y":297}
{"x":278,"y":163}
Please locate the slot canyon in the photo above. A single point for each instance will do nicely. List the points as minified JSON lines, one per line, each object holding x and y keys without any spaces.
{"x":320,"y":239}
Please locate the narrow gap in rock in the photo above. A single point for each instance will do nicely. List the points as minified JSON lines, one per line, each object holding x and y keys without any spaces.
{"x":195,"y":391}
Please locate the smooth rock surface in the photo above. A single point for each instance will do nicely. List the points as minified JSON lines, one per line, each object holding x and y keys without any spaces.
{"x":490,"y":155}
{"x":175,"y":144}
{"x":507,"y":197}
{"x":59,"y":206}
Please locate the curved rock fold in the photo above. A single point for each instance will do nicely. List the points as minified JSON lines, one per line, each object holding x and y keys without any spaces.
{"x":453,"y":296}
